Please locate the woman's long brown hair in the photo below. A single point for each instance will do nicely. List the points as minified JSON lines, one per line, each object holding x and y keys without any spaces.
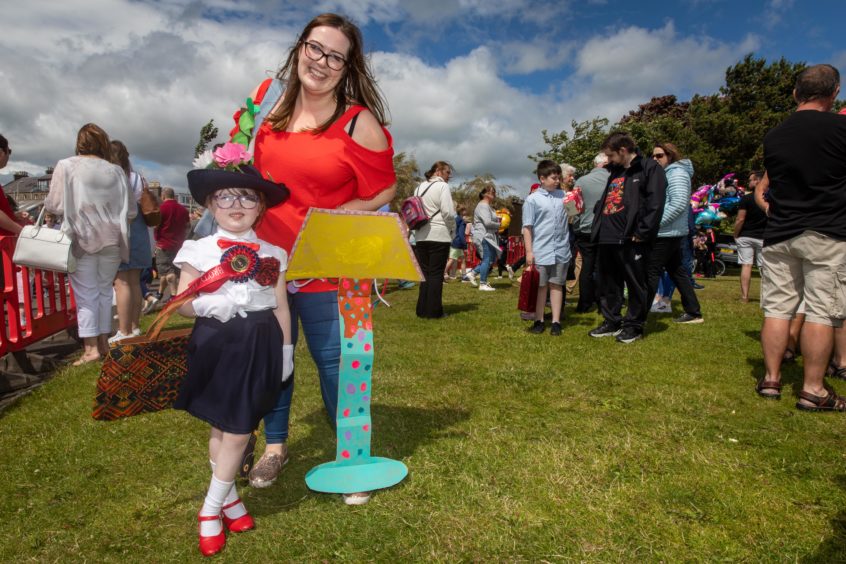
{"x":357,"y":86}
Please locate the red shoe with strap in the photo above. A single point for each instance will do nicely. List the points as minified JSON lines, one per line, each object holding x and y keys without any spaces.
{"x":243,"y":523}
{"x":211,"y":545}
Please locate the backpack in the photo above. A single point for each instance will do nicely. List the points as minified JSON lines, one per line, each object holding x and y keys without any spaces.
{"x":460,"y":239}
{"x":413,"y":212}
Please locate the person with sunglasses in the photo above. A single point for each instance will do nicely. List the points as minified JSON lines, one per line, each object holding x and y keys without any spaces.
{"x":667,"y":250}
{"x":325,"y":139}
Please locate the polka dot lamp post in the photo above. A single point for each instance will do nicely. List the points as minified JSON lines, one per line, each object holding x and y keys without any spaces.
{"x":359,"y":247}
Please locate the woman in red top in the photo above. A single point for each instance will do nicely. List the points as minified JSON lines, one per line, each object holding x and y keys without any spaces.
{"x":325,"y":140}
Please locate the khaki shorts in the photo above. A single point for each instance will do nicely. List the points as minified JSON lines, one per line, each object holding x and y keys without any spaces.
{"x":809,"y":265}
{"x":456,"y":254}
{"x":749,"y":250}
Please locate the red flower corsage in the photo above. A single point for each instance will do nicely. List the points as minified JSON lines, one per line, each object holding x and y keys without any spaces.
{"x":268,"y":271}
{"x":242,"y":262}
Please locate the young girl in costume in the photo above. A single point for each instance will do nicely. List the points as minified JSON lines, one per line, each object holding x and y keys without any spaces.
{"x":240,"y":350}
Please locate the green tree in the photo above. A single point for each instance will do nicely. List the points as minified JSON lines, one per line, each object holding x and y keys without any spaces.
{"x":408,"y":178}
{"x":721,"y":132}
{"x":577,"y":148}
{"x":208,"y":133}
{"x":467,"y":193}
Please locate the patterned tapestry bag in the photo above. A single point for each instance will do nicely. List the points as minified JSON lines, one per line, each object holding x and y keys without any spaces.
{"x":143,"y":374}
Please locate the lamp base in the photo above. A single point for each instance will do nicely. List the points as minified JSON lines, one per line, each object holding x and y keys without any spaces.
{"x":372,"y":473}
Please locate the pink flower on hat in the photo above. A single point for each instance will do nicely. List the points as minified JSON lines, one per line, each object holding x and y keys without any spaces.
{"x":231,"y":154}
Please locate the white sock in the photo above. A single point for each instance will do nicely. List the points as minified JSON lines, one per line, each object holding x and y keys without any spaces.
{"x":215,"y":498}
{"x":237,"y":510}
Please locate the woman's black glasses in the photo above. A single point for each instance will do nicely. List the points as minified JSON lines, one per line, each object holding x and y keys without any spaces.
{"x":315,"y":52}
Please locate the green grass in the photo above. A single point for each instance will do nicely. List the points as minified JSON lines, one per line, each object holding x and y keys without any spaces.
{"x":519,"y":447}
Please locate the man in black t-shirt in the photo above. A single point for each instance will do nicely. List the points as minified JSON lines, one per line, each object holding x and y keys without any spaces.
{"x":625,"y":225}
{"x":749,"y":234}
{"x":805,"y":236}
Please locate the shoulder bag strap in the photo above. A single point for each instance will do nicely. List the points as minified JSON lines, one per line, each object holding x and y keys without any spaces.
{"x":424,"y":193}
{"x":266,"y":104}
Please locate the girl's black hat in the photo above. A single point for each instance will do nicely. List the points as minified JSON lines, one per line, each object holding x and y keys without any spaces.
{"x":204,"y":182}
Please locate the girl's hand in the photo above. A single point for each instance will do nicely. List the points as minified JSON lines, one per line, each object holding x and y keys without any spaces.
{"x":287,"y":361}
{"x":214,"y":305}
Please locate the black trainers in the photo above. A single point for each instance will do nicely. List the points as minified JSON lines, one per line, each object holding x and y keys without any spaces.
{"x":556,"y":330}
{"x":537,"y":328}
{"x":629,"y":335}
{"x":605,"y":330}
{"x":687,"y":318}
{"x":697,"y":286}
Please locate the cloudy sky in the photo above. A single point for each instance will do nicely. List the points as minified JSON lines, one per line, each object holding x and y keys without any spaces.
{"x":469,"y":81}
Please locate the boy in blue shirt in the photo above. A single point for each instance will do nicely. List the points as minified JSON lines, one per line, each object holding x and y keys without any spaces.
{"x":546,"y":239}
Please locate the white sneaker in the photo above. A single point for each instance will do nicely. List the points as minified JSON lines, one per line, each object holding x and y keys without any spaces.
{"x":485,"y":287}
{"x":471,"y":276}
{"x":356,"y":498}
{"x":149,"y":304}
{"x":117,"y":337}
{"x":510,"y":271}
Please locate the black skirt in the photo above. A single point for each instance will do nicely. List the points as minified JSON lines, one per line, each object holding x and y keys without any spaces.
{"x":234,"y":371}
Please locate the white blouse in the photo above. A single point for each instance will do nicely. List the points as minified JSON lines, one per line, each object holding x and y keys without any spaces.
{"x":204,"y":254}
{"x":94,"y":198}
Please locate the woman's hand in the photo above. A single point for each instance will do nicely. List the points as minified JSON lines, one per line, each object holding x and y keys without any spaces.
{"x":530,"y":258}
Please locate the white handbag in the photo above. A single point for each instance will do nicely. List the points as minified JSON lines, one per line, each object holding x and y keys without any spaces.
{"x":44,"y":248}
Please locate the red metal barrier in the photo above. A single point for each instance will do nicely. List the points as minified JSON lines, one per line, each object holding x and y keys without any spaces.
{"x":36,"y":303}
{"x":516,"y":251}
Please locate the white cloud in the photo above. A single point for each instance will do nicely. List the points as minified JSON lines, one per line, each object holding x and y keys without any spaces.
{"x":775,"y":11}
{"x":153,"y":73}
{"x":526,"y":57}
{"x":642,"y":62}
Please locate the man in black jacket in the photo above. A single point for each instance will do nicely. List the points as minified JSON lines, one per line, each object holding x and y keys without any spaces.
{"x":626,"y":221}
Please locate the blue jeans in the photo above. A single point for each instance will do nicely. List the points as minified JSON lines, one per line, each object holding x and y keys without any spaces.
{"x":666,"y":287}
{"x":488,"y":257}
{"x":318,"y":312}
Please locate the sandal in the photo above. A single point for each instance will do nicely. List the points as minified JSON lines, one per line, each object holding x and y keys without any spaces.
{"x":835,"y":371}
{"x":769,"y":385}
{"x":828,"y":402}
{"x":789,"y":356}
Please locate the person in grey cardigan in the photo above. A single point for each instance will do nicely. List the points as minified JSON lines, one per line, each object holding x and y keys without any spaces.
{"x":485,"y":227}
{"x":667,"y":251}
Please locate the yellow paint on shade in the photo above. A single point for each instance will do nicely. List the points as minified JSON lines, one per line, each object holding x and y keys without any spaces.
{"x":344,"y":244}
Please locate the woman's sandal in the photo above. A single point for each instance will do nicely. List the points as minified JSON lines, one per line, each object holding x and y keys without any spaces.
{"x":828,"y":402}
{"x":769,"y":385}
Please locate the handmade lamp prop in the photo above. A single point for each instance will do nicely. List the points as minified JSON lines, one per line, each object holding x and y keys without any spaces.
{"x":357,"y":247}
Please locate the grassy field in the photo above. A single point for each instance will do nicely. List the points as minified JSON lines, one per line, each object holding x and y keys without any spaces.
{"x":520,"y":447}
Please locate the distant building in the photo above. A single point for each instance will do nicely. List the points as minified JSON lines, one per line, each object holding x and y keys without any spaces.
{"x":25,"y":188}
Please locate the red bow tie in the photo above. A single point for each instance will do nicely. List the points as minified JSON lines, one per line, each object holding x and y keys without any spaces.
{"x":226,"y":243}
